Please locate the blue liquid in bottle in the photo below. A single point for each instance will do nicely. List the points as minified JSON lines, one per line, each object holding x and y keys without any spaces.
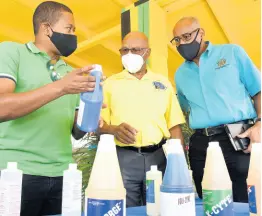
{"x":91,"y":104}
{"x":176,"y":192}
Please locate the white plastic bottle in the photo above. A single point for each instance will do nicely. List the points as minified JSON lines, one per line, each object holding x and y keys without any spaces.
{"x":105,"y":193}
{"x":254,"y":181}
{"x":11,"y":190}
{"x":176,"y":192}
{"x":72,"y":191}
{"x":216,"y":184}
{"x":153,"y":182}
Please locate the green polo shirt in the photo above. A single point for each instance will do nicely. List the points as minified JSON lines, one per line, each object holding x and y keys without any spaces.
{"x":40,"y":141}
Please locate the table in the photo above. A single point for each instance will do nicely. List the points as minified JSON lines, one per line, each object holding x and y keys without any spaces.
{"x":241,"y":209}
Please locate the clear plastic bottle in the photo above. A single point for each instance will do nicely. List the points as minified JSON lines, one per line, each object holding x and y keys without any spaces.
{"x":105,"y":194}
{"x":216,"y":184}
{"x":153,"y":182}
{"x":91,"y":104}
{"x":10,"y":190}
{"x":254,"y":181}
{"x":72,"y":191}
{"x":176,"y":193}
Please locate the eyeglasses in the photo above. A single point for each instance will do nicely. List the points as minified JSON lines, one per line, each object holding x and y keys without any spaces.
{"x":185,"y":37}
{"x":54,"y":75}
{"x":134,"y":50}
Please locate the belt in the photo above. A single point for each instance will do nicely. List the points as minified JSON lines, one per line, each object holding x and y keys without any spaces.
{"x":145,"y":149}
{"x":211,"y":131}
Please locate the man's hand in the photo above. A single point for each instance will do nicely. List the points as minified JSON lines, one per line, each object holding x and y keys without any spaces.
{"x":101,"y":121}
{"x":77,"y":81}
{"x":254,"y":134}
{"x":125,"y":133}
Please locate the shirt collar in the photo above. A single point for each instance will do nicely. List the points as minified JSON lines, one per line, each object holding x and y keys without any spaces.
{"x":147,"y":76}
{"x":34,"y":49}
{"x":209,"y":47}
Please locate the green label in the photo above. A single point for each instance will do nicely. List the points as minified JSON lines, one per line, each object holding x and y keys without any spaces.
{"x":218,"y":202}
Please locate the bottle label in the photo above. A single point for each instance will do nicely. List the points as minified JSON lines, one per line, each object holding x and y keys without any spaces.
{"x":252,"y":199}
{"x":105,"y":207}
{"x":80,"y":112}
{"x":150,"y":191}
{"x":177,"y":204}
{"x":218,"y":202}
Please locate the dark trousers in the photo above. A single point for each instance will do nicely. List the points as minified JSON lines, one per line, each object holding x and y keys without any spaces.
{"x":133,"y":167}
{"x":237,"y":163}
{"x":41,"y":195}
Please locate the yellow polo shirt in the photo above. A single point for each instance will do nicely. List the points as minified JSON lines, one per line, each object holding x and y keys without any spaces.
{"x":149,"y":105}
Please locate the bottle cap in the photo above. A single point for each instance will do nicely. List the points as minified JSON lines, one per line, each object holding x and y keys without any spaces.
{"x":173,"y":141}
{"x":12,"y":165}
{"x":174,"y":146}
{"x":97,"y":67}
{"x":256,"y":146}
{"x":107,"y":138}
{"x":154,"y":168}
{"x":106,"y":143}
{"x":73,"y":166}
{"x":213,"y":144}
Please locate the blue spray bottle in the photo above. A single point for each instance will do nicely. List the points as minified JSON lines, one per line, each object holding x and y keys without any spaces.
{"x":176,"y":192}
{"x":91,"y":104}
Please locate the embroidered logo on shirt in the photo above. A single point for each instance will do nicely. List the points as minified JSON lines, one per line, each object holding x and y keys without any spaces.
{"x":159,"y":85}
{"x":222,"y":63}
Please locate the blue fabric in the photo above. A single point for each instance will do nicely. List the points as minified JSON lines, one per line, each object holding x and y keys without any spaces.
{"x":219,"y":91}
{"x":240,"y":209}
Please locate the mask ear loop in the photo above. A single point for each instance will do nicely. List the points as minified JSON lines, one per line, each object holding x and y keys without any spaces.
{"x":51,"y":30}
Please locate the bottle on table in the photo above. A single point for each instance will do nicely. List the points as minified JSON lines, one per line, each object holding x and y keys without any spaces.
{"x":10,"y":190}
{"x":176,"y":192}
{"x":216,"y":184}
{"x":105,"y":193}
{"x":254,"y":181}
{"x":72,"y":191}
{"x":91,"y":104}
{"x":153,"y":182}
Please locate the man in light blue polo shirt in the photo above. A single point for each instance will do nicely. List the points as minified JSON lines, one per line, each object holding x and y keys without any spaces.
{"x":217,"y":85}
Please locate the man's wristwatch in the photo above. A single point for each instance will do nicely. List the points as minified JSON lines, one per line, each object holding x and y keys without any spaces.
{"x":258,"y":120}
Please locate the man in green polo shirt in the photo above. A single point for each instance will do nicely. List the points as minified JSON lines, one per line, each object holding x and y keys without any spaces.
{"x":38,"y":100}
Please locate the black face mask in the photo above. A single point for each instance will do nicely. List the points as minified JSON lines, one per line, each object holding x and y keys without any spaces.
{"x":65,"y":43}
{"x":189,"y":51}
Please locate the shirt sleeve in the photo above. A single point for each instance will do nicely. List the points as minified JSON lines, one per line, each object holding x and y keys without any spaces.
{"x":182,"y":99}
{"x":174,"y":115}
{"x":249,"y":74}
{"x":9,"y":60}
{"x":105,"y":113}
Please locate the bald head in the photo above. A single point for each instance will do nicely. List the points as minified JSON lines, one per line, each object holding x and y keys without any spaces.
{"x":185,"y":25}
{"x":135,"y":39}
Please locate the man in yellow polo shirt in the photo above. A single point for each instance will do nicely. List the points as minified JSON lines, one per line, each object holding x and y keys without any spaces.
{"x":142,"y":112}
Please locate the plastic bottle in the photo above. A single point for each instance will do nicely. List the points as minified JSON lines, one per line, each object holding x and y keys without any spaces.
{"x":176,"y":192}
{"x":72,"y":191}
{"x":105,"y":194}
{"x":254,"y":180}
{"x":91,"y":104}
{"x":193,"y":182}
{"x":216,"y":184}
{"x":153,"y":182}
{"x":10,"y":190}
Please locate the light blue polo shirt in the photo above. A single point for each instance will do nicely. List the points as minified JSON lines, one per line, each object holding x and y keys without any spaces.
{"x":219,"y":91}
